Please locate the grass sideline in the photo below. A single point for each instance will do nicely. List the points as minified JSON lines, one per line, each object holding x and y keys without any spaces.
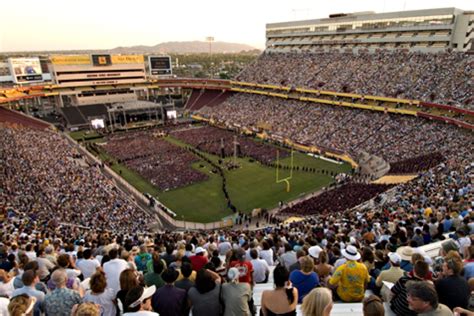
{"x":250,"y":186}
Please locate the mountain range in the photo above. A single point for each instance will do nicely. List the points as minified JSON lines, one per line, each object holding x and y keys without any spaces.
{"x":185,"y":47}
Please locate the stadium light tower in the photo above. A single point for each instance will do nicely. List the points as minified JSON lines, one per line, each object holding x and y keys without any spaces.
{"x":210,"y":39}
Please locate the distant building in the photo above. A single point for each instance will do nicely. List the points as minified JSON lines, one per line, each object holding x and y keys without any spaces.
{"x":421,"y":30}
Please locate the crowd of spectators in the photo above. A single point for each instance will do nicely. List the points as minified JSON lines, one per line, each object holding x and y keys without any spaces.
{"x":165,"y":165}
{"x":210,"y":140}
{"x":46,"y":182}
{"x":336,"y":200}
{"x":443,"y":77}
{"x":395,"y":138}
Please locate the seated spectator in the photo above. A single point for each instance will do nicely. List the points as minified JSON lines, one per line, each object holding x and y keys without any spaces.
{"x":199,"y":259}
{"x":60,"y":301}
{"x":318,"y":302}
{"x":469,"y":264}
{"x":185,"y":283}
{"x":423,"y":300}
{"x":373,"y":306}
{"x":391,"y":275}
{"x":289,"y":257}
{"x":204,"y":296}
{"x":266,"y":253}
{"x":399,"y":304}
{"x":405,"y":253}
{"x":100,"y":294}
{"x":261,"y":270}
{"x":283,"y":299}
{"x":30,"y":279}
{"x":323,"y":268}
{"x":245,"y":267}
{"x":138,"y":301}
{"x":453,"y":290}
{"x":21,"y":305}
{"x":305,"y":279}
{"x":236,"y":296}
{"x":350,"y":278}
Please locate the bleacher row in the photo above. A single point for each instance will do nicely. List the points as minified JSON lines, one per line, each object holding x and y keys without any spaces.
{"x":79,"y":115}
{"x":209,"y":98}
{"x":15,"y":117}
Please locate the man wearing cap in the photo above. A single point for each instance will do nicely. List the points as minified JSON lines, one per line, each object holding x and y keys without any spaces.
{"x":351,"y":277}
{"x":170,"y":300}
{"x":138,"y":301}
{"x":391,"y":275}
{"x":199,"y":259}
{"x":236,"y":296}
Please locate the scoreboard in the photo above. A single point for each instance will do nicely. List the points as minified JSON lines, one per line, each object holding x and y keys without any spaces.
{"x":160,"y":65}
{"x":25,"y":70}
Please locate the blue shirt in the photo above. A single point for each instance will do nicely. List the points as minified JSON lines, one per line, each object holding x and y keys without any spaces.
{"x":303,"y":282}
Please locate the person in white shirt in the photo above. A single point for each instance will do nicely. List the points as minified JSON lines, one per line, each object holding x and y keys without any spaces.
{"x":261,"y":270}
{"x":44,"y":265}
{"x":266,"y":253}
{"x":113,"y":268}
{"x":88,"y":265}
{"x":289,"y":257}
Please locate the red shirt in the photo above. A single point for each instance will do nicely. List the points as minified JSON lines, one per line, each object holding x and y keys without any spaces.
{"x":245,"y":269}
{"x":198,"y":262}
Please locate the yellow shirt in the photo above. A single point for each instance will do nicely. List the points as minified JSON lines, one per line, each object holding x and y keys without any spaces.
{"x":350,"y":279}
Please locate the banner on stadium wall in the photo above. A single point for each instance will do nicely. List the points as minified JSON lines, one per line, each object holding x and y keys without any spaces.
{"x":128,"y":59}
{"x":70,"y":60}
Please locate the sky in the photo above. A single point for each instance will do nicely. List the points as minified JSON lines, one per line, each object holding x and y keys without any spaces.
{"x":37,"y":25}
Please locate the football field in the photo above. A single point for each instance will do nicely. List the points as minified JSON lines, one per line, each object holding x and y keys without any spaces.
{"x":251,"y":185}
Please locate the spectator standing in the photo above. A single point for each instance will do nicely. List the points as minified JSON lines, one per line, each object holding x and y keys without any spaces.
{"x":60,"y":301}
{"x":113,"y":268}
{"x":169,"y":300}
{"x":100,"y":294}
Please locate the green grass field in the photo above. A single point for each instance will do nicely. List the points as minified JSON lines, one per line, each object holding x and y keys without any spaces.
{"x":250,"y":186}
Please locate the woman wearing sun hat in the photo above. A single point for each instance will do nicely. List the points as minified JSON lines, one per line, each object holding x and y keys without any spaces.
{"x":138,"y":301}
{"x":350,"y":278}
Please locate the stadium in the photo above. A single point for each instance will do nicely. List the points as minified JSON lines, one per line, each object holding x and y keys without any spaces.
{"x":350,"y":138}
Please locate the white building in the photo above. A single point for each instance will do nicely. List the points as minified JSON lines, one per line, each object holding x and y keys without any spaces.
{"x":421,"y":30}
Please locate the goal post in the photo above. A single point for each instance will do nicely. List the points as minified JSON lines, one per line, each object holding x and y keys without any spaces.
{"x":287,"y":179}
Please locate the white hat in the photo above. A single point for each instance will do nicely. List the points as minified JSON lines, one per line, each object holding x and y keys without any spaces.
{"x":314,"y":251}
{"x":147,"y":292}
{"x":199,"y":249}
{"x":233,"y":274}
{"x":405,"y":252}
{"x":351,"y":253}
{"x":394,"y":257}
